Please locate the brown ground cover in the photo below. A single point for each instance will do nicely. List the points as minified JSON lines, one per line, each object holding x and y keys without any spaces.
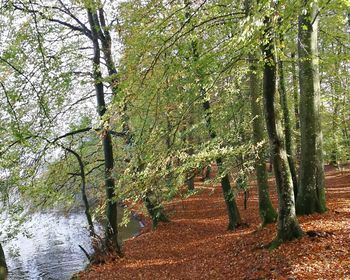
{"x":196,"y":244}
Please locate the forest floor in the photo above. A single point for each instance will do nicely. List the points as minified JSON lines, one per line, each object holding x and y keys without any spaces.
{"x":196,"y":244}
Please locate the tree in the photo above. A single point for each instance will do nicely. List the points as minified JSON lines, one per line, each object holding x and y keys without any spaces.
{"x":267,"y":212}
{"x":334,"y":43}
{"x":176,"y":72}
{"x":311,"y":195}
{"x":46,"y":27}
{"x":229,"y":197}
{"x":287,"y":227}
{"x":111,"y":230}
{"x":176,"y":99}
{"x":287,"y":127}
{"x":295,"y":96}
{"x":3,"y":266}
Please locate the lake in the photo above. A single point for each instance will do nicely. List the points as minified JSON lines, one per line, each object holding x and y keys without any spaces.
{"x":51,"y":251}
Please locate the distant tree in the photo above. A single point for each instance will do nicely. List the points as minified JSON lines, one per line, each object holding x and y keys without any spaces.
{"x":229,"y":197}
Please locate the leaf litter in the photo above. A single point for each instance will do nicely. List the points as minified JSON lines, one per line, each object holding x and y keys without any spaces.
{"x":196,"y":244}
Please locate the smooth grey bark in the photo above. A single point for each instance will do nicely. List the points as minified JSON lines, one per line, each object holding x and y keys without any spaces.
{"x":296,"y":108}
{"x":287,"y":227}
{"x":3,"y":265}
{"x":295,"y":95}
{"x":287,"y":128}
{"x":334,"y":151}
{"x":311,"y":194}
{"x":266,"y":211}
{"x":345,"y":128}
{"x":111,"y":227}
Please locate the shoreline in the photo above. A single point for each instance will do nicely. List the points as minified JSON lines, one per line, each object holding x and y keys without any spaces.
{"x":196,"y":245}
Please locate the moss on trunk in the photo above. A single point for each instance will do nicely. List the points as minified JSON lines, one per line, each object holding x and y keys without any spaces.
{"x":287,"y":128}
{"x":288,"y":227}
{"x":311,"y":195}
{"x":267,"y":212}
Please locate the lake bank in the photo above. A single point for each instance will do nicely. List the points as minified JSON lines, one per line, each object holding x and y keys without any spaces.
{"x":196,"y":245}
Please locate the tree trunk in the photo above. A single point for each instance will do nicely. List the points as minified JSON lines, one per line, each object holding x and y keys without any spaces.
{"x":287,"y":128}
{"x":295,"y":94}
{"x":232,"y":209}
{"x":188,"y":141}
{"x":334,"y":151}
{"x":111,"y":229}
{"x":267,"y":212}
{"x":190,"y":176}
{"x":83,"y":191}
{"x":155,"y":210}
{"x":190,"y":181}
{"x":311,"y":195}
{"x":3,"y":266}
{"x":345,"y":129}
{"x":206,"y":172}
{"x":296,"y":108}
{"x":190,"y":152}
{"x":168,"y":143}
{"x":288,"y":227}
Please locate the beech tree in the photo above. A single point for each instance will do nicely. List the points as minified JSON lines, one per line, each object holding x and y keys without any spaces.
{"x":71,"y":20}
{"x":111,"y":231}
{"x":287,"y":227}
{"x":311,"y":194}
{"x":287,"y":127}
{"x":232,"y":209}
{"x":267,"y":212}
{"x":333,"y":43}
{"x":172,"y":80}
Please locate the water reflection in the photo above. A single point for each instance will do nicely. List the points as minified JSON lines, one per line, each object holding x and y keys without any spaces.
{"x":51,"y":252}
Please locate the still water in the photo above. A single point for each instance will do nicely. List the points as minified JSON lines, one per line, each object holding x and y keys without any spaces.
{"x":51,"y":251}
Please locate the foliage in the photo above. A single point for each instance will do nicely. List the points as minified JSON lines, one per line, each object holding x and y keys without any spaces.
{"x":172,"y":57}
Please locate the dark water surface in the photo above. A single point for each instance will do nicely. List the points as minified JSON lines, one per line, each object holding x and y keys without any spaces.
{"x":51,"y":251}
